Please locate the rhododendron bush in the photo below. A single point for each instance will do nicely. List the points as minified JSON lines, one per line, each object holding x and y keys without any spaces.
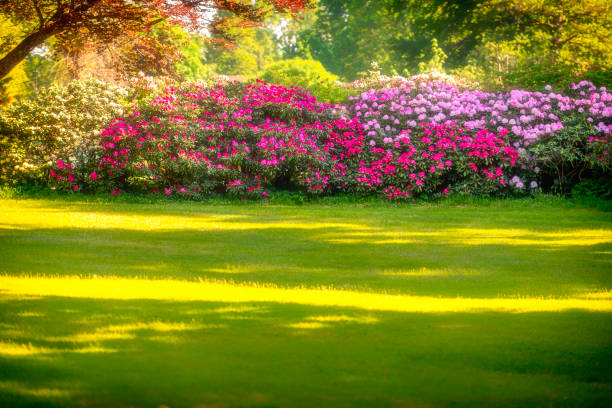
{"x":242,"y":139}
{"x":437,"y":158}
{"x":231,"y":138}
{"x":575,"y":127}
{"x":245,"y":140}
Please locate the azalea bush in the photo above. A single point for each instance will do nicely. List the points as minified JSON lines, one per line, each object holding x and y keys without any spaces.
{"x":437,"y":159}
{"x":232,"y":138}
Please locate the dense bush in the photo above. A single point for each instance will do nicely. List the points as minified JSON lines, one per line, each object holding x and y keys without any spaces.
{"x":235,"y":139}
{"x":558,"y":136}
{"x":595,"y":187}
{"x":436,"y":159}
{"x":241,"y":139}
{"x":307,"y":74}
{"x":60,"y":123}
{"x":244,"y":139}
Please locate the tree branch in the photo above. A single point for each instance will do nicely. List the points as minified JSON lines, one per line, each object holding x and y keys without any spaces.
{"x":39,"y":13}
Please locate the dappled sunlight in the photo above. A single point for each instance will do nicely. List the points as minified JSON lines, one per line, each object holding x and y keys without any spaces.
{"x":30,"y":314}
{"x":14,"y":387}
{"x":92,"y":337}
{"x":231,"y":269}
{"x":127,"y":331}
{"x":156,"y":326}
{"x":14,"y":349}
{"x":260,"y":269}
{"x":228,"y":310}
{"x":475,"y":236}
{"x":306,"y":325}
{"x":167,"y":289}
{"x":11,"y":330}
{"x":156,"y":330}
{"x":8,"y":349}
{"x":599,"y":295}
{"x":425,"y":272}
{"x":344,"y":318}
{"x":25,"y":217}
{"x":321,"y":322}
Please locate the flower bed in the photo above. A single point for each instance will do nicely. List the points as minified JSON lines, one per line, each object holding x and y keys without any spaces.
{"x":245,"y":139}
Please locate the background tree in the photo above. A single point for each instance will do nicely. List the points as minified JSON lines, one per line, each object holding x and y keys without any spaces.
{"x":348,"y":35}
{"x":254,"y":49}
{"x":492,"y":36}
{"x":562,"y":31}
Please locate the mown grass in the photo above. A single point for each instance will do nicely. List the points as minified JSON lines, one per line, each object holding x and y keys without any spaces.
{"x":131,"y":302}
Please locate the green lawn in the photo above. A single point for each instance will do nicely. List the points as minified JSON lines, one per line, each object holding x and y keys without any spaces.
{"x":119,"y":304}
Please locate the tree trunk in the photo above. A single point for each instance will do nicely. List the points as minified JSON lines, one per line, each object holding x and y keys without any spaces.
{"x":17,"y":54}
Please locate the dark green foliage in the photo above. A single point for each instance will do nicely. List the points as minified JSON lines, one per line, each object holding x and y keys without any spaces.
{"x":599,"y":187}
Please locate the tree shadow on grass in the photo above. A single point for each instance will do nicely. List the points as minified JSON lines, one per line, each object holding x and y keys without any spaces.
{"x":58,"y":351}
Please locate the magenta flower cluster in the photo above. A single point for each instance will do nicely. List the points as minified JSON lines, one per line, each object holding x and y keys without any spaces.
{"x":237,"y":140}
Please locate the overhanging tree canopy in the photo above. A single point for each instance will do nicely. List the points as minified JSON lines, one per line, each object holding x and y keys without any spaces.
{"x":75,"y":22}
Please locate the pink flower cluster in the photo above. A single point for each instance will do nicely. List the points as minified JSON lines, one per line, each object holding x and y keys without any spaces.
{"x":529,"y":115}
{"x":63,"y":175}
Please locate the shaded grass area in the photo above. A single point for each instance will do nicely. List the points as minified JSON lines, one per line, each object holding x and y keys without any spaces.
{"x":293,"y":343}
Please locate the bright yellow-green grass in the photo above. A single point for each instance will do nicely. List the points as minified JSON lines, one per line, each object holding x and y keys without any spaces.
{"x":118,"y":304}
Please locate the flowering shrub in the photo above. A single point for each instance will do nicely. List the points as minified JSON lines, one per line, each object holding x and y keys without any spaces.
{"x":61,"y":123}
{"x":533,"y":118}
{"x":237,"y":139}
{"x":437,"y":159}
{"x":241,"y":139}
{"x":244,"y":139}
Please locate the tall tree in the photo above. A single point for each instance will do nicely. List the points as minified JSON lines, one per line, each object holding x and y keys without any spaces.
{"x":77,"y":22}
{"x":349,"y":34}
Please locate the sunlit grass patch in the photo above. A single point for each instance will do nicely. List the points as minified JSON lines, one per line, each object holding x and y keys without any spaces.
{"x":12,"y":349}
{"x":166,"y":289}
{"x":28,"y":215}
{"x":127,"y":331}
{"x":427,"y":272}
{"x":21,"y":350}
{"x":477,"y":236}
{"x":14,"y":387}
